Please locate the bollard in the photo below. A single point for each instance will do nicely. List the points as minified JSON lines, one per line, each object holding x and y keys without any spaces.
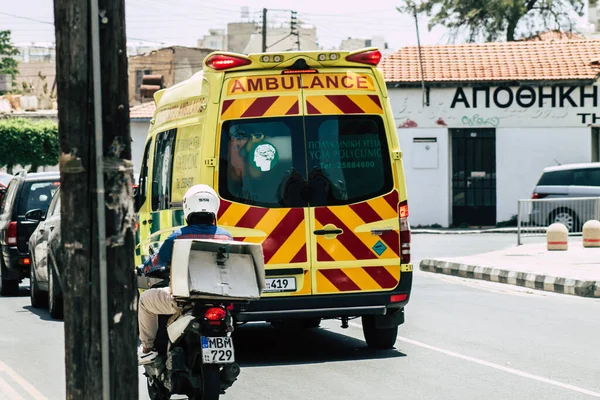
{"x":591,"y":233}
{"x":557,"y":237}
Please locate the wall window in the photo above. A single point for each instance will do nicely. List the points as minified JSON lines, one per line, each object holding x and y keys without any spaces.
{"x":139,"y":74}
{"x":162,"y":173}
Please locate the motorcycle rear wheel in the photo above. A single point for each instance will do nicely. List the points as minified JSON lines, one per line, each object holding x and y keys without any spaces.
{"x":157,"y":391}
{"x":211,"y":383}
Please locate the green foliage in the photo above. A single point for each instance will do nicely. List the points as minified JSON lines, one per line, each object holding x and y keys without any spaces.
{"x":25,"y":142}
{"x":492,"y":20}
{"x":8,"y":65}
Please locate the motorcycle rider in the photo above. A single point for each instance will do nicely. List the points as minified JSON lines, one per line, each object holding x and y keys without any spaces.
{"x":200,"y":208}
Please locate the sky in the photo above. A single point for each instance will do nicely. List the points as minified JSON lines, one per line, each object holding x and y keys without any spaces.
{"x":158,"y":22}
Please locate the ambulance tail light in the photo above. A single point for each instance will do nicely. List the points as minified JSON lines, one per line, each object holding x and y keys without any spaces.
{"x":404,"y":233}
{"x":222,"y":61}
{"x":538,"y":195}
{"x":370,"y":57}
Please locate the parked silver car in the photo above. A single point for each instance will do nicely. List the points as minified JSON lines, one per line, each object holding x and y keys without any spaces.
{"x":46,"y":278}
{"x":561,"y":190}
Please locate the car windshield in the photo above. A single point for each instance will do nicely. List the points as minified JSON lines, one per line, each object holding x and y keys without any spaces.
{"x":37,"y":195}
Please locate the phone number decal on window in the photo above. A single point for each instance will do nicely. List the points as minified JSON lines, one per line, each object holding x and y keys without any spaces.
{"x":348,"y":165}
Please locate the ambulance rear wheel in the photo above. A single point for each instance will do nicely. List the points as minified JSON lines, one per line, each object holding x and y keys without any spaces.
{"x":378,"y":338}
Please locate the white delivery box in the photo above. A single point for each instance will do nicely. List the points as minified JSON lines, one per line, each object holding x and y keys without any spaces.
{"x":217,"y":269}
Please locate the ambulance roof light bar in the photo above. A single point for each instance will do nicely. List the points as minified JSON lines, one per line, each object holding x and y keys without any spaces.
{"x":224,"y":61}
{"x":370,"y":57}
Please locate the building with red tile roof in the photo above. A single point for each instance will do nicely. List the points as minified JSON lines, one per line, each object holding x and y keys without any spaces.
{"x":564,"y":60}
{"x":490,"y":117}
{"x":144,"y":111}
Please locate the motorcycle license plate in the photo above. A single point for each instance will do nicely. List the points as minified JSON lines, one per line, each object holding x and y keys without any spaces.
{"x":217,"y":350}
{"x":285,"y":284}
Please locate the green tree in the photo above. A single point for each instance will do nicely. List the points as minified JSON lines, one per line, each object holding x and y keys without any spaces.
{"x":30,"y":143}
{"x":8,"y":65}
{"x":493,"y":20}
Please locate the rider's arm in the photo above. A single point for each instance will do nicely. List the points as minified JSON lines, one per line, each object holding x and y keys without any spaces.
{"x":163,"y":257}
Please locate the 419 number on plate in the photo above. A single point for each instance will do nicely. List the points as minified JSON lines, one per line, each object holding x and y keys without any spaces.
{"x":286,"y":284}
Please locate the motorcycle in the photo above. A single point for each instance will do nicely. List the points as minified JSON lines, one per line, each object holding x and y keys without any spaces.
{"x":196,"y":356}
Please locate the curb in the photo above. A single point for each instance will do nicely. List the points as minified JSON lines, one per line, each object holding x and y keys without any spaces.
{"x":529,"y":280}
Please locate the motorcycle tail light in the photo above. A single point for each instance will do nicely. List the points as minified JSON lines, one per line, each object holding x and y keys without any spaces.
{"x":215,"y":314}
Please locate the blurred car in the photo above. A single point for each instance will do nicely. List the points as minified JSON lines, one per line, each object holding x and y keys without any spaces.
{"x":565,"y":182}
{"x":5,"y":178}
{"x":45,"y":276}
{"x":4,"y":181}
{"x":25,"y":192}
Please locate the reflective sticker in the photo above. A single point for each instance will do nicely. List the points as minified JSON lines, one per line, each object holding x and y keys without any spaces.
{"x":264,"y":156}
{"x":379,"y":248}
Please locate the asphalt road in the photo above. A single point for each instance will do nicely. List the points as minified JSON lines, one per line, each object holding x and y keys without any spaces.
{"x":462,"y":339}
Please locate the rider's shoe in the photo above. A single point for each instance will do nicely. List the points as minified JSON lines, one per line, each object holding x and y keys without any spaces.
{"x":146,"y":358}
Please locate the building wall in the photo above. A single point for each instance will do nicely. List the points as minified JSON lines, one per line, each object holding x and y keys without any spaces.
{"x":29,"y":74}
{"x":187,"y":62}
{"x":157,"y":62}
{"x":534,"y":127}
{"x":428,"y":188}
{"x":238,"y":35}
{"x":175,"y":64}
{"x":139,"y":133}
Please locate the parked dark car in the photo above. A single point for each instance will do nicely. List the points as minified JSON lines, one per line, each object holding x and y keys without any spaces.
{"x":45,"y":274}
{"x":25,"y":192}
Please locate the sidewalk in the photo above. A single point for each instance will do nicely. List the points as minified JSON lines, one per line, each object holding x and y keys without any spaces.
{"x":575,"y":271}
{"x":453,"y":231}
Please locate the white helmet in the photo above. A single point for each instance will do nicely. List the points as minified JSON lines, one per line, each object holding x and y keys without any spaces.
{"x":200,"y":198}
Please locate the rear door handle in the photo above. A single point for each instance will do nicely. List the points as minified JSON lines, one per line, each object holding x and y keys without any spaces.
{"x":328,"y":232}
{"x":148,"y":221}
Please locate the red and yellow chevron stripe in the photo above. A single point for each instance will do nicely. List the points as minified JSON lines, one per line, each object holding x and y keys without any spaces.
{"x":352,"y":245}
{"x":267,"y":106}
{"x":282,"y":231}
{"x":357,"y":279}
{"x":344,"y":104}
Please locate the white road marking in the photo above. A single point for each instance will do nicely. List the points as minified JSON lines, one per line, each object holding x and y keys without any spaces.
{"x":28,"y":387}
{"x":492,"y":365}
{"x":8,"y":391}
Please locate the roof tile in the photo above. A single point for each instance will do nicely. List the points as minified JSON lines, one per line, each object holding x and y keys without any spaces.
{"x":142,"y":111}
{"x":526,"y":60}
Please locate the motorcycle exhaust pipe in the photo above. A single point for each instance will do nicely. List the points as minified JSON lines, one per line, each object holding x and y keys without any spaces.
{"x":230,"y":372}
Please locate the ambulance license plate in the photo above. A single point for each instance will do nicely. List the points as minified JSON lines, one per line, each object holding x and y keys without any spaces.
{"x":286,"y":284}
{"x":217,"y":350}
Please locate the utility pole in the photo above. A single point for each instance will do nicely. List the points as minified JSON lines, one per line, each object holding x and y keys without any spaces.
{"x":100,"y":291}
{"x":294,"y":28}
{"x":264,"y":30}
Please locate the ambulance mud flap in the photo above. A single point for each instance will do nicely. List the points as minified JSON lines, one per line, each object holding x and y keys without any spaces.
{"x":393,"y":319}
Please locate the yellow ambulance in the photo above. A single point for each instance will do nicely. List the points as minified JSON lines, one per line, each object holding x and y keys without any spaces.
{"x":302,"y":149}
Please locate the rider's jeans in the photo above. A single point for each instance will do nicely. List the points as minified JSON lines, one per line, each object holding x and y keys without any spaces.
{"x":152,"y":303}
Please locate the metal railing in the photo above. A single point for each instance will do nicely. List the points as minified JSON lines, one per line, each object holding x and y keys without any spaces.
{"x":535,"y":215}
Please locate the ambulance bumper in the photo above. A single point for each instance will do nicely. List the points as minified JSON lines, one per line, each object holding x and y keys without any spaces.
{"x":325,"y":306}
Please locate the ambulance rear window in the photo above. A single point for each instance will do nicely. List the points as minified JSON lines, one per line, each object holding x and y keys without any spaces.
{"x":348,"y":159}
{"x":256,"y":156}
{"x":304,"y":161}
